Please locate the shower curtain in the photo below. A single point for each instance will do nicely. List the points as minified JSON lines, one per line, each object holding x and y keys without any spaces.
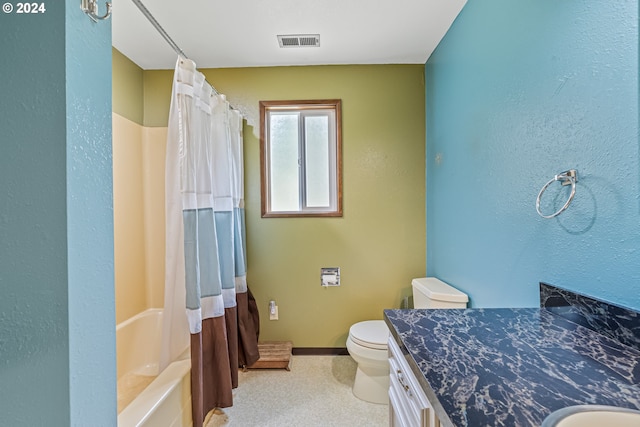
{"x":205,"y":251}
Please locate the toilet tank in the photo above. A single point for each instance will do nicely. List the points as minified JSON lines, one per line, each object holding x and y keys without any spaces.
{"x":429,"y":292}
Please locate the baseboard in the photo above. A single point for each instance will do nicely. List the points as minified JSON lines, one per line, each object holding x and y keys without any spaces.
{"x":320,"y":351}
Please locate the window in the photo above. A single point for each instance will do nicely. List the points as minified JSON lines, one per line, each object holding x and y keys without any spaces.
{"x":300,"y":145}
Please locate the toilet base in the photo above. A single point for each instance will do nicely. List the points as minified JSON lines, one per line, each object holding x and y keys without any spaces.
{"x":372,"y":384}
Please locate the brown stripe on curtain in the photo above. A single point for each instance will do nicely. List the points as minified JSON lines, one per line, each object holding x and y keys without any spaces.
{"x":210,"y":379}
{"x":248,"y":329}
{"x":231,"y":319}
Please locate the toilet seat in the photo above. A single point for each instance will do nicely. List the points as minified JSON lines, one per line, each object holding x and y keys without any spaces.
{"x":371,"y":334}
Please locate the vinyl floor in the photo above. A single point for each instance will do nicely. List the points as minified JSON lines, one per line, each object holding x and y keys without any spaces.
{"x":315,"y":392}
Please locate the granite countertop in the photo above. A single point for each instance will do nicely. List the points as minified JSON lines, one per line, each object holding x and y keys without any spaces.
{"x":512,"y":367}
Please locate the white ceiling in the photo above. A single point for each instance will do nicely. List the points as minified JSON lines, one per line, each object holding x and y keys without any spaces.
{"x":242,"y":33}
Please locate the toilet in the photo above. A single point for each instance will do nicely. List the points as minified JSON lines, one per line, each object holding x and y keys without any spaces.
{"x":367,"y":342}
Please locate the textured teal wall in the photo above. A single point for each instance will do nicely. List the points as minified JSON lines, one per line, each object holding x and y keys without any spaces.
{"x":89,"y":168}
{"x":34,"y":340}
{"x":517,"y":92}
{"x":57,"y":343}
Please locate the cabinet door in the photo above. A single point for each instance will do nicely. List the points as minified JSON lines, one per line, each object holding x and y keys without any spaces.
{"x":409,"y":406}
{"x":398,"y":416}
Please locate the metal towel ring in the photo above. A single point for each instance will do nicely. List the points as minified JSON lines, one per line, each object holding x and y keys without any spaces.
{"x":569,"y":177}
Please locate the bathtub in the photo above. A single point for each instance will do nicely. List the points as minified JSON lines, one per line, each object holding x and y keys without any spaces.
{"x":147,"y":397}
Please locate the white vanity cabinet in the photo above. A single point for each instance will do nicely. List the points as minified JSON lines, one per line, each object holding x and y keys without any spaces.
{"x":408,"y":405}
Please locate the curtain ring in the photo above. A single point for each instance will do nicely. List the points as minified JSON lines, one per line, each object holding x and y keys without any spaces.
{"x":569,"y":177}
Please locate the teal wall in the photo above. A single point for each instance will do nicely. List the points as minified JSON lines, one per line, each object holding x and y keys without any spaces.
{"x":89,"y":168}
{"x":34,"y":360}
{"x":517,"y":92}
{"x":57,"y":340}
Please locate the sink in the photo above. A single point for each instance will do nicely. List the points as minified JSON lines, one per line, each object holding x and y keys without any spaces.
{"x":592,"y":416}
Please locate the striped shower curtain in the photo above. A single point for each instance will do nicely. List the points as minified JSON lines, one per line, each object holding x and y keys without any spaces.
{"x":205,"y":252}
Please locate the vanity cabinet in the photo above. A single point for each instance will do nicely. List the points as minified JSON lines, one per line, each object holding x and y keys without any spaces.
{"x":408,"y":405}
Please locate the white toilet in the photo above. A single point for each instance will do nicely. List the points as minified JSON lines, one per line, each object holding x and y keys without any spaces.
{"x":367,"y":342}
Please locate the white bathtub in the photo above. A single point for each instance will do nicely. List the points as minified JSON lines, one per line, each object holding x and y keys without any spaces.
{"x":166,"y":400}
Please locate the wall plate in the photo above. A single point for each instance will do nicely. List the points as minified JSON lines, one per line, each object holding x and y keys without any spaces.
{"x":330,"y":276}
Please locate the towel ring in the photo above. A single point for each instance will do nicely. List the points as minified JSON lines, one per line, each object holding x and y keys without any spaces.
{"x":569,"y":177}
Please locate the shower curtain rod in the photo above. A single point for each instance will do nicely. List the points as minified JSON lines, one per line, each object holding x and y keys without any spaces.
{"x":159,"y":28}
{"x":168,"y":39}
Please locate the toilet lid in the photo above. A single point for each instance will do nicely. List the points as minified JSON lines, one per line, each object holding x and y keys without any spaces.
{"x":370,"y":333}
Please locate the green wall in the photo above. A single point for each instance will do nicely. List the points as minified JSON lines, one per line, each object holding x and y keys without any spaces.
{"x":379,"y":243}
{"x":127,"y":88}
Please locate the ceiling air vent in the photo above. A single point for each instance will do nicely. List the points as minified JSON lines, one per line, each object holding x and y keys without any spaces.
{"x":299,"y":40}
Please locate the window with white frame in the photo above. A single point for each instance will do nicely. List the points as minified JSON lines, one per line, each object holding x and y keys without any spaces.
{"x":300,"y":150}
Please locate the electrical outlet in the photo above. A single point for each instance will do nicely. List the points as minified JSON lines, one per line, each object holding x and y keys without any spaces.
{"x":273,"y":314}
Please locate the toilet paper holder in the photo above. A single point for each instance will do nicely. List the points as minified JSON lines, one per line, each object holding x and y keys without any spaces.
{"x":329,"y":276}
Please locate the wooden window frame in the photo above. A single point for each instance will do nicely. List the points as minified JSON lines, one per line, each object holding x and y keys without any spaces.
{"x":299,"y":105}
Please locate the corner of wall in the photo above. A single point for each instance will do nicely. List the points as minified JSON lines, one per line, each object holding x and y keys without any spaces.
{"x":127,"y":93}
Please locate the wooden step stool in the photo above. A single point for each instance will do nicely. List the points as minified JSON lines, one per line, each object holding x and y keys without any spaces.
{"x":273,"y":355}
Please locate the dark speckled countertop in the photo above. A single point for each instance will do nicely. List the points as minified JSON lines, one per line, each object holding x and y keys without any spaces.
{"x":513,"y":367}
